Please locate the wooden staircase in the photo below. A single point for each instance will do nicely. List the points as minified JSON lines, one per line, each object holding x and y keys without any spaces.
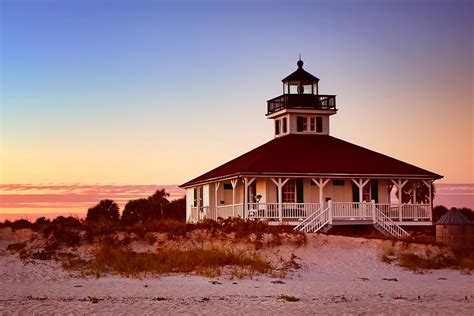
{"x":322,"y":220}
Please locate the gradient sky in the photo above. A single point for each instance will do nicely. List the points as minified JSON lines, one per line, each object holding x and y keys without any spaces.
{"x":143,"y":92}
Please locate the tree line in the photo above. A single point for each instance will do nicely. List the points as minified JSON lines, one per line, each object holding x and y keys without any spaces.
{"x":155,"y":207}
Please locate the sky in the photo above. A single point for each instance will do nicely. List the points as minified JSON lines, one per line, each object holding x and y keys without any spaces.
{"x":159,"y":92}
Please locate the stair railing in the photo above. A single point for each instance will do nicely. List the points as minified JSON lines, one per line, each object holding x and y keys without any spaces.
{"x":318,"y":222}
{"x":388,"y":225}
{"x":308,"y":219}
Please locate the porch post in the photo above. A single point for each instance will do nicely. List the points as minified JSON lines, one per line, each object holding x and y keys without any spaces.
{"x":280,"y":183}
{"x":360,"y":184}
{"x":320,"y":183}
{"x":245,"y":197}
{"x":330,"y":211}
{"x":216,"y":188}
{"x":280,"y":204}
{"x":373,"y":210}
{"x":234,"y":184}
{"x":400,"y":186}
{"x":428,"y":184}
{"x":199,"y":206}
{"x":413,"y":193}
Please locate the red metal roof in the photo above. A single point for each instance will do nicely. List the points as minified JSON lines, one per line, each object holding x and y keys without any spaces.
{"x":308,"y":155}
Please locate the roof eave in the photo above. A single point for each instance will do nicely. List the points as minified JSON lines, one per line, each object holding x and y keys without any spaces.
{"x":193,"y":183}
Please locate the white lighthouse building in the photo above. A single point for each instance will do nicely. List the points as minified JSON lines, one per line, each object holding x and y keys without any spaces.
{"x":307,"y":178}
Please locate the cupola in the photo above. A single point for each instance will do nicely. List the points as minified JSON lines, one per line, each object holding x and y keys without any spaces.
{"x":301,"y":109}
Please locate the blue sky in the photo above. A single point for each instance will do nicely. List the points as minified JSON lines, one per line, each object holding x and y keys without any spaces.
{"x":145,"y":92}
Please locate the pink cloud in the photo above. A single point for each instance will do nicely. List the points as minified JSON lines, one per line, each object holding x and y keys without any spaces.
{"x":74,"y":196}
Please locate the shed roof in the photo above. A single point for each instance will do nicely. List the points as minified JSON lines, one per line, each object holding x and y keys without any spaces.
{"x":453,"y":217}
{"x":311,"y":155}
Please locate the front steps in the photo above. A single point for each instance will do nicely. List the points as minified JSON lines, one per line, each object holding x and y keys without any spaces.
{"x":322,"y":220}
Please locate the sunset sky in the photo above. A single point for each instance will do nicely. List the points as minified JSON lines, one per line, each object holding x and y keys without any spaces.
{"x":158,"y":92}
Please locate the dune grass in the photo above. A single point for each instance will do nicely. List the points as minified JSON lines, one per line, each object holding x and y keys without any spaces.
{"x":461,"y":261}
{"x":111,"y":258}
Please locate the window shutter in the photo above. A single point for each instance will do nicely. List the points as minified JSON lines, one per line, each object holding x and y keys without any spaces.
{"x":319,"y":124}
{"x":355,"y":193}
{"x":375,"y":190}
{"x":299,"y":123}
{"x":299,"y":191}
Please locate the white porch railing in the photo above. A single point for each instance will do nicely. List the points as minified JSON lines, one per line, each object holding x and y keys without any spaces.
{"x":352,"y":211}
{"x":295,"y":211}
{"x":405,"y":212}
{"x":195,"y":215}
{"x":300,"y":212}
{"x":212,"y":212}
{"x":317,"y":222}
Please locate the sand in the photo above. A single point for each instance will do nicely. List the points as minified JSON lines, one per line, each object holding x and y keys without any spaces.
{"x":340,"y":275}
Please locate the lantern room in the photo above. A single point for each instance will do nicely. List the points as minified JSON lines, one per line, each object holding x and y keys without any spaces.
{"x":300,"y":82}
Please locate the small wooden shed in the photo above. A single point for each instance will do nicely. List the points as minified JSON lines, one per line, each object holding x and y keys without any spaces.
{"x":455,"y":230}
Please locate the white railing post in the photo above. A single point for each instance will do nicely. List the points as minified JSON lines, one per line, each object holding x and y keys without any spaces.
{"x":428,"y":184}
{"x":234,"y":184}
{"x":280,"y":204}
{"x":330,"y":211}
{"x":373,"y":210}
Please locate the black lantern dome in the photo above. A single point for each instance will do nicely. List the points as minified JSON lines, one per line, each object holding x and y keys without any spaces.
{"x":300,"y":81}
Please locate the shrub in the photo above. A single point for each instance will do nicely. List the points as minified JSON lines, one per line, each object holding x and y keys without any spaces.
{"x":114,"y":258}
{"x":106,"y":210}
{"x":16,"y":247}
{"x":457,"y":260}
{"x":20,"y":224}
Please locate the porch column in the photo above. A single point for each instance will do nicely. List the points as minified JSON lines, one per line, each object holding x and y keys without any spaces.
{"x":244,"y":206}
{"x":413,"y":192}
{"x":216,"y":188}
{"x":428,"y":184}
{"x":280,"y":183}
{"x":247,"y":182}
{"x":234,"y":184}
{"x":360,"y":184}
{"x":320,"y":183}
{"x":198,"y":203}
{"x":399,"y":184}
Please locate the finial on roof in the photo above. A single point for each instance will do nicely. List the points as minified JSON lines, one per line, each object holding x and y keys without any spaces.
{"x":300,"y":63}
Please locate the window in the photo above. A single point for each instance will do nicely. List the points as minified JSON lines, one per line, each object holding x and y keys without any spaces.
{"x":319,"y":124}
{"x":227,"y":186}
{"x":305,"y":123}
{"x":338,"y":182}
{"x":289,"y":192}
{"x":284,"y":125}
{"x":277,"y":127}
{"x":312,"y":124}
{"x":300,"y":123}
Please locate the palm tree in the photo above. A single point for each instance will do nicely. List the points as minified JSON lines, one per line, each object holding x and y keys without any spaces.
{"x":106,"y":210}
{"x":158,"y":200}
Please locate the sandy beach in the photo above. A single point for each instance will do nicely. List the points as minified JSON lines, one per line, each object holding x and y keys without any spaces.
{"x":338,"y":275}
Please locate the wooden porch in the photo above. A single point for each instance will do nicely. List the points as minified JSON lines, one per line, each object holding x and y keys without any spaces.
{"x":338,"y":213}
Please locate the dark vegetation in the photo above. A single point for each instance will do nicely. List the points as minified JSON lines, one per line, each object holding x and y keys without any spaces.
{"x":439,"y":211}
{"x":455,"y":259}
{"x":209,"y":262}
{"x":459,"y":260}
{"x":144,"y":220}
